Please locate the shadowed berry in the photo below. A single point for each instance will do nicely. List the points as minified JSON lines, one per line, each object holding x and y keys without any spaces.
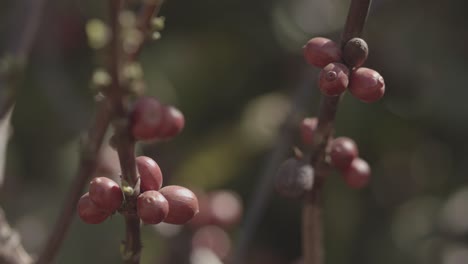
{"x":152,"y":207}
{"x":343,"y":151}
{"x":183,"y":204}
{"x":146,"y":118}
{"x":150,"y":174}
{"x":89,"y":212}
{"x":355,"y":52}
{"x":357,"y":175}
{"x":366,"y":85}
{"x":106,"y":194}
{"x":307,"y":130}
{"x":333,"y":79}
{"x":321,"y":51}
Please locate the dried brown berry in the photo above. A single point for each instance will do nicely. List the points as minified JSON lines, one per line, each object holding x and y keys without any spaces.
{"x":183,"y":204}
{"x":152,"y":207}
{"x":106,"y":194}
{"x":89,"y":212}
{"x":355,"y":52}
{"x":367,"y":85}
{"x":334,"y":79}
{"x":294,"y":178}
{"x":321,"y":52}
{"x":150,"y":174}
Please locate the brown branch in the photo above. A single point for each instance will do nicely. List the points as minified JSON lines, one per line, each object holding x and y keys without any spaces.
{"x":87,"y":166}
{"x":311,"y":216}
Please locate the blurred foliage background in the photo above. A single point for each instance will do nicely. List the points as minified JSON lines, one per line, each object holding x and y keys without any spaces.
{"x":234,"y":69}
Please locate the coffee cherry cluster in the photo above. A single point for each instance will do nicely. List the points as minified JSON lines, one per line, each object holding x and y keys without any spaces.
{"x":343,"y":155}
{"x":172,"y":204}
{"x":335,"y":77}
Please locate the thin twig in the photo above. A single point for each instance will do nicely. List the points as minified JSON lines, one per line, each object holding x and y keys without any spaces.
{"x":87,"y":166}
{"x":312,"y":223}
{"x":264,"y":187}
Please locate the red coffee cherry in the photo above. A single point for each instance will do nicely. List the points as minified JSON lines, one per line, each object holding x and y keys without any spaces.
{"x":343,"y":151}
{"x":146,"y":118}
{"x":213,"y":238}
{"x":172,"y":124}
{"x":106,"y":194}
{"x":334,"y":79}
{"x":307,"y":130}
{"x":183,"y":204}
{"x":366,"y":85}
{"x":357,"y":175}
{"x":321,"y":51}
{"x":150,"y":174}
{"x":355,"y":52}
{"x":89,"y":212}
{"x":152,"y":207}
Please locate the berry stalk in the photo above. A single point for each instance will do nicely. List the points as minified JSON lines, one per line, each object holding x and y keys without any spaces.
{"x":311,"y":214}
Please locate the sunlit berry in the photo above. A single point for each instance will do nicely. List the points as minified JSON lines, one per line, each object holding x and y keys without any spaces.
{"x":89,"y":212}
{"x":150,"y":174}
{"x":152,"y":207}
{"x":333,"y":79}
{"x":321,"y":51}
{"x":366,"y":85}
{"x":357,"y":175}
{"x":343,"y":151}
{"x":106,"y":194}
{"x":183,"y":204}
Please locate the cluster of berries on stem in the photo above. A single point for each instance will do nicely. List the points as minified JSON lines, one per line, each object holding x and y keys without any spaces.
{"x":150,"y":121}
{"x":341,"y":71}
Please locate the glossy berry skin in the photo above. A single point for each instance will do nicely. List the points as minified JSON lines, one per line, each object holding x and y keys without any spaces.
{"x":357,"y":175}
{"x":106,"y":194}
{"x":367,"y":85}
{"x":146,"y":118}
{"x":355,"y":52}
{"x":172,"y":124}
{"x":321,"y":51}
{"x":152,"y":207}
{"x":307,"y":130}
{"x":294,"y":178}
{"x":89,"y":212}
{"x":343,"y":151}
{"x":183,"y":204}
{"x":150,"y":174}
{"x":333,"y":79}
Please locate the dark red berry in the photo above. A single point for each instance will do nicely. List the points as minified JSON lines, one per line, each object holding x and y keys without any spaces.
{"x":183,"y":204}
{"x":146,"y":118}
{"x":89,"y":212}
{"x":152,"y":207}
{"x":357,"y":175}
{"x":334,"y":79}
{"x":294,"y":178}
{"x":226,"y":208}
{"x":343,"y":151}
{"x":355,"y":52}
{"x":307,"y":129}
{"x":367,"y":85}
{"x":213,"y":238}
{"x":172,"y":124}
{"x":321,"y":51}
{"x":106,"y":194}
{"x":150,"y":174}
